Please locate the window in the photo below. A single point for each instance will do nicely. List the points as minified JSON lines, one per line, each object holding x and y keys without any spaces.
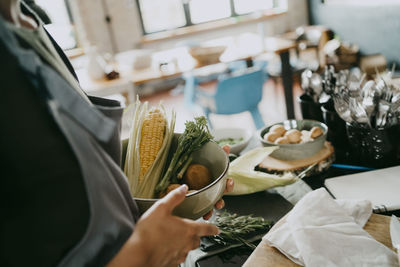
{"x":170,"y":14}
{"x":162,"y":15}
{"x":362,"y":2}
{"x":61,"y":27}
{"x":200,"y":10}
{"x":248,"y":6}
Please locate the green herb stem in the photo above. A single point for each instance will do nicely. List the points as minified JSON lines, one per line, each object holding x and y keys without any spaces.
{"x":196,"y":134}
{"x":184,"y":167}
{"x":235,"y":229}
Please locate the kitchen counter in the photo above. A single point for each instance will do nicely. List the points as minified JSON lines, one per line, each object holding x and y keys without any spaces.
{"x":273,"y":206}
{"x":264,"y":255}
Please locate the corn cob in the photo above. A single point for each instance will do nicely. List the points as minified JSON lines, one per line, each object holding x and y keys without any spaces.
{"x":152,"y":137}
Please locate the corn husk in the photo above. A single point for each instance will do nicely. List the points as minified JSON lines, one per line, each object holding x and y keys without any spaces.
{"x":247,"y":180}
{"x":145,"y":189}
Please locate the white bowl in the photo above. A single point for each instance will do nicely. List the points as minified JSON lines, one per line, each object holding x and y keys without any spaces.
{"x":234,"y":133}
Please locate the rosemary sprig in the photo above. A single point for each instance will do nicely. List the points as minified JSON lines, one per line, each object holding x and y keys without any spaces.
{"x":236,"y":229}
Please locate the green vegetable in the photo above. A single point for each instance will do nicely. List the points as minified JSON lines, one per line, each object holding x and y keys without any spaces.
{"x":235,"y":229}
{"x":196,"y":134}
{"x":229,"y":141}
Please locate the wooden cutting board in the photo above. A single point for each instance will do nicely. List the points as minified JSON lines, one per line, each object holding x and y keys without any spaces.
{"x":272,"y":164}
{"x":264,"y":255}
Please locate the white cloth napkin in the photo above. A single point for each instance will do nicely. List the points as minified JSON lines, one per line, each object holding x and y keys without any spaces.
{"x":321,"y":231}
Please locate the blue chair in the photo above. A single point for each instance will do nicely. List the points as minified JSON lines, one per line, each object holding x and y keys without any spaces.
{"x":192,"y":80}
{"x":237,"y":92}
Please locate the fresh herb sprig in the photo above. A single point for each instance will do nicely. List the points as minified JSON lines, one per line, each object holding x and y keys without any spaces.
{"x":235,"y":229}
{"x":196,"y":134}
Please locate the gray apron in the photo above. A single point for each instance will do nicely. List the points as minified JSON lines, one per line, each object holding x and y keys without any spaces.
{"x":93,"y":134}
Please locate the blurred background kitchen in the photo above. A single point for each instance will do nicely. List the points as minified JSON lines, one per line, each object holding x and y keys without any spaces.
{"x":181,"y":51}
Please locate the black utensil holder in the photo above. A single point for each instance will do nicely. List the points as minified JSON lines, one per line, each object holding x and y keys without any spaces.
{"x":377,"y":148}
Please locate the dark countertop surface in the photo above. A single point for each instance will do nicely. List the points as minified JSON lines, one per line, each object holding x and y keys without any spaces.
{"x":268,"y":204}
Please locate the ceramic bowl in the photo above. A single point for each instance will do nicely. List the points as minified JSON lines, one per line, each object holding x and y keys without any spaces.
{"x":234,"y":133}
{"x":198,"y":203}
{"x":296,"y":151}
{"x":207,"y":54}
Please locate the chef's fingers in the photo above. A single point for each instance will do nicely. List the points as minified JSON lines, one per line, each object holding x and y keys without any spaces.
{"x":227,"y":149}
{"x":220,"y":204}
{"x":208,"y":215}
{"x":173,"y":198}
{"x":203,"y":229}
{"x":229,"y":185}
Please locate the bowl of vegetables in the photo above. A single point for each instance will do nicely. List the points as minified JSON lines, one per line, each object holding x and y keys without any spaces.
{"x":297,"y":139}
{"x":236,"y":138}
{"x":158,"y":160}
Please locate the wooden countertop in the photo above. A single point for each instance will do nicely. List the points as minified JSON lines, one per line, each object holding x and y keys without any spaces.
{"x":264,"y":255}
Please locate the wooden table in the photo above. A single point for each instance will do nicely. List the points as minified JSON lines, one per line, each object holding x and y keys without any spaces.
{"x":130,"y":79}
{"x":104,"y":87}
{"x":264,"y":255}
{"x":275,"y":45}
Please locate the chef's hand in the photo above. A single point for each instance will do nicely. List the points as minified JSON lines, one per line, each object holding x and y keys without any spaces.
{"x":229,"y":187}
{"x":161,"y":239}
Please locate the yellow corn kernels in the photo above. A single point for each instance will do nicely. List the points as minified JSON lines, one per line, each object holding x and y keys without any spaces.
{"x":152,"y":137}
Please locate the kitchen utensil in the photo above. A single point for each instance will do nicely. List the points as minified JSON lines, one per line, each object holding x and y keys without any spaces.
{"x":357,"y":111}
{"x":316,"y":86}
{"x":337,"y":126}
{"x":305,"y":79}
{"x":304,"y":173}
{"x":372,"y":146}
{"x":383,"y":110}
{"x":395,"y":234}
{"x":396,"y":97}
{"x":342,"y":107}
{"x":310,"y":110}
{"x":368,"y":89}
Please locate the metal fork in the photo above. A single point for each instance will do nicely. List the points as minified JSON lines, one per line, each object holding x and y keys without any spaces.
{"x":342,"y":107}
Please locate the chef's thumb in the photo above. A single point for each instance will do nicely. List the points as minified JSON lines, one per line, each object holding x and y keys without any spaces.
{"x":174,"y":198}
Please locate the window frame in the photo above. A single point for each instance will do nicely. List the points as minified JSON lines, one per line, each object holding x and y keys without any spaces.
{"x":71,"y":21}
{"x":189,"y":23}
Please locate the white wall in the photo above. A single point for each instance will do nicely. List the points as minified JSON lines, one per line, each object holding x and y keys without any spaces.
{"x":127,"y":30}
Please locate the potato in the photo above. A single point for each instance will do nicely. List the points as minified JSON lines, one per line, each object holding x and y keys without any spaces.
{"x":169,"y":189}
{"x":197,"y":176}
{"x":306,"y":136}
{"x":172,"y":187}
{"x":294,"y":136}
{"x":271,"y":137}
{"x":282,"y":140}
{"x":278,"y":129}
{"x":316,"y":132}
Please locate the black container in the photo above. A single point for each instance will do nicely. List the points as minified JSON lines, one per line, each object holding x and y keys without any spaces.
{"x":337,"y":127}
{"x":309,"y":109}
{"x":376,"y":148}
